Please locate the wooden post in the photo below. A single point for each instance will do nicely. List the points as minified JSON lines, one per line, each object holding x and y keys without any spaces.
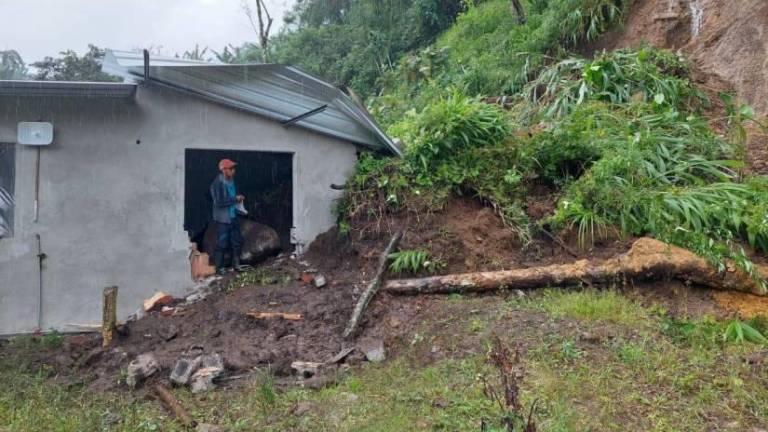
{"x":109,"y":316}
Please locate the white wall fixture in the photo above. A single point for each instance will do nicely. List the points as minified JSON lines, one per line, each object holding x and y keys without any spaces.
{"x":35,"y":133}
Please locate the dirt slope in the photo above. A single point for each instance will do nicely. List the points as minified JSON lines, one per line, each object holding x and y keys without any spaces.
{"x":727,"y":40}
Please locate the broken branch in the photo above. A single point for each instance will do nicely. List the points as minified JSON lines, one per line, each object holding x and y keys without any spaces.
{"x":372,"y":288}
{"x":647,"y":259}
{"x":267,"y":315}
{"x":172,"y":405}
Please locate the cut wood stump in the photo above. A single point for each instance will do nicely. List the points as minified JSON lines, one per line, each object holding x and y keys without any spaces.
{"x":648,"y":259}
{"x":372,"y":288}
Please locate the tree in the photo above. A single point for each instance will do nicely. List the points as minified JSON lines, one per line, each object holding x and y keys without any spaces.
{"x":376,"y":34}
{"x":71,"y":67}
{"x":12,"y":66}
{"x":264,"y":21}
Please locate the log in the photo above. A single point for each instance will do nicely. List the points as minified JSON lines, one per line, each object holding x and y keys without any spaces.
{"x":108,"y":316}
{"x":647,"y":259}
{"x":372,"y":288}
{"x":172,"y":405}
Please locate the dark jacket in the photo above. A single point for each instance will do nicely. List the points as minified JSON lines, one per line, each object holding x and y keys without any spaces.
{"x":221,"y":200}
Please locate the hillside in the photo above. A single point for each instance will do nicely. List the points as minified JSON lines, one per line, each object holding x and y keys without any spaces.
{"x":726,"y":42}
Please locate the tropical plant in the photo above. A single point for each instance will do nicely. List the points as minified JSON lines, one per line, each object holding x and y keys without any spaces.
{"x":738,"y":331}
{"x":412,"y":261}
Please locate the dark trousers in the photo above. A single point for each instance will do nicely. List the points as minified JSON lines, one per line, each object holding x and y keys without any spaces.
{"x":229,"y":239}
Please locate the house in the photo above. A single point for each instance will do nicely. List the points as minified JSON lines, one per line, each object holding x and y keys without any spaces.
{"x":121,"y":190}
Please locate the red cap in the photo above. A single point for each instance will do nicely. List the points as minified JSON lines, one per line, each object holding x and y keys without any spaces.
{"x":226,"y":163}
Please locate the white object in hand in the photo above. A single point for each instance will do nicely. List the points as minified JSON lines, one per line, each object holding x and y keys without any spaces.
{"x":240,"y":208}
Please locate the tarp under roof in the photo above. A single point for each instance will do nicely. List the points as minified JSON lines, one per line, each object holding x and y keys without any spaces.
{"x":66,"y":88}
{"x":279,"y":92}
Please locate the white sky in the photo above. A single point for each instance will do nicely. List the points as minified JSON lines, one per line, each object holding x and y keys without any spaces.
{"x":39,"y":28}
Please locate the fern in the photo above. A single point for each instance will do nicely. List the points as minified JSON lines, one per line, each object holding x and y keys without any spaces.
{"x":412,"y":261}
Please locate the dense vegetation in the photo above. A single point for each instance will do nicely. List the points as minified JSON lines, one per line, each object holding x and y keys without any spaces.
{"x":621,"y":137}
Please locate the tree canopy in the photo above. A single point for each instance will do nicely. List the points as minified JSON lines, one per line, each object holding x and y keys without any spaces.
{"x":12,"y":67}
{"x":71,"y":67}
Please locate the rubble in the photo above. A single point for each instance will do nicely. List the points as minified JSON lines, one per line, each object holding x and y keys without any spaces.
{"x":259,"y":241}
{"x":142,"y":367}
{"x":302,"y":408}
{"x":157,"y":300}
{"x":373,"y":350}
{"x":306,"y":369}
{"x":183,"y":370}
{"x":211,"y":367}
{"x":307,"y":278}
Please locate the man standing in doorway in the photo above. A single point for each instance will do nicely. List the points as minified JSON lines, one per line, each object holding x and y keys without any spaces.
{"x":225,"y":200}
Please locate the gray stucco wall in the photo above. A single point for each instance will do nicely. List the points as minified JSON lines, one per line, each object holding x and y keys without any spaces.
{"x":111,"y":211}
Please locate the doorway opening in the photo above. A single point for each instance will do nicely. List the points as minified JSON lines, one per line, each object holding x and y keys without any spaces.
{"x":264,"y":178}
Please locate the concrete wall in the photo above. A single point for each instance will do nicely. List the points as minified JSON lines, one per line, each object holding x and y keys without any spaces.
{"x":111,"y":210}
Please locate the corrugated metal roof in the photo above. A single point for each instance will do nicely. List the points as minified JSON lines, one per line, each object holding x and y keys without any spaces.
{"x":66,"y":88}
{"x":275,"y":91}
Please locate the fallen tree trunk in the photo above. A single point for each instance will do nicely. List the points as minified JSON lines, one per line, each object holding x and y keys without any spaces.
{"x":373,"y":287}
{"x":648,"y":259}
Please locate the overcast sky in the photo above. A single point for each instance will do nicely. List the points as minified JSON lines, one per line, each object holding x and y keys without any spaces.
{"x":39,"y":28}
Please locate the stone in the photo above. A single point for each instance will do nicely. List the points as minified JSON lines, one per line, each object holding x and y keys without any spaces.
{"x":139,"y":314}
{"x":302,"y":408}
{"x":211,"y":367}
{"x":373,"y":350}
{"x":212,"y":360}
{"x":142,"y":367}
{"x":259,"y":241}
{"x":168,"y":332}
{"x":349,"y":398}
{"x":109,"y":419}
{"x":306,"y":369}
{"x":183,"y":370}
{"x":202,"y":380}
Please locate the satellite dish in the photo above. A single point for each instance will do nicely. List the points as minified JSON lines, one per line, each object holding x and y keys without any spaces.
{"x":35,"y":133}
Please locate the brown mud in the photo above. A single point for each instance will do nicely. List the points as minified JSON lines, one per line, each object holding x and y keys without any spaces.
{"x":467,"y":235}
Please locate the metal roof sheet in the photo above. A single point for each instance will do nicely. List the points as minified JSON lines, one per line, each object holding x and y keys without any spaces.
{"x":66,"y":88}
{"x":275,"y":91}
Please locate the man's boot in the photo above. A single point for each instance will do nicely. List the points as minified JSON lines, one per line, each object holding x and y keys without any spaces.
{"x":236,"y":261}
{"x":218,"y":261}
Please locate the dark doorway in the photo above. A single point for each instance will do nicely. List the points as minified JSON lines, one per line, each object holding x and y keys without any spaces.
{"x":265,"y":178}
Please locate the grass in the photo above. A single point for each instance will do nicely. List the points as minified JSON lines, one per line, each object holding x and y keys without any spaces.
{"x":651,"y":372}
{"x":591,"y":305}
